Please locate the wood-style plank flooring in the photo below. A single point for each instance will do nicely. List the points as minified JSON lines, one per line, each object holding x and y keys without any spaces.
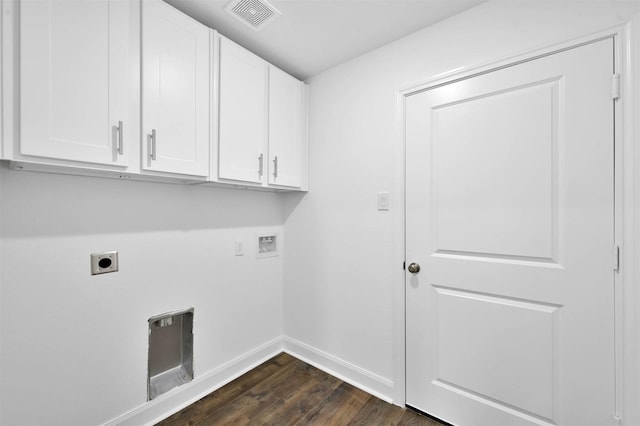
{"x":287,"y":391}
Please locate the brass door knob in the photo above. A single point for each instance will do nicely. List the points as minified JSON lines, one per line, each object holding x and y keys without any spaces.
{"x":414,"y":268}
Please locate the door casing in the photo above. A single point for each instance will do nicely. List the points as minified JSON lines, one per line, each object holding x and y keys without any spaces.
{"x":627,"y":207}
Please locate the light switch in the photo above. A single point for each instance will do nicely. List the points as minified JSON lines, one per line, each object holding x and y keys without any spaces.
{"x":384,"y":201}
{"x":239,"y":248}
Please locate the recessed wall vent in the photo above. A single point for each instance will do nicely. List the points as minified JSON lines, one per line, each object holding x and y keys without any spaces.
{"x":255,"y":14}
{"x":170,"y":351}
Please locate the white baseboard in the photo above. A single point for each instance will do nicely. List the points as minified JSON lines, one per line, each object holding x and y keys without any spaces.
{"x":165,"y":405}
{"x":367,"y":381}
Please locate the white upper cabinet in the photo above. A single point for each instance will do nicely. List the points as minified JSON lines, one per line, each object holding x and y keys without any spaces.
{"x":175,"y":91}
{"x":243,"y":116}
{"x":74,"y":81}
{"x":139,"y":90}
{"x":262,"y":121}
{"x":286,"y":145}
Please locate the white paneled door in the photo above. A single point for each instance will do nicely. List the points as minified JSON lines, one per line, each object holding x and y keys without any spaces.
{"x":510,"y":209}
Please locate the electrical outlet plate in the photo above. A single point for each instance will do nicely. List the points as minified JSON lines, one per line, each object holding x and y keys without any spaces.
{"x":102,"y":263}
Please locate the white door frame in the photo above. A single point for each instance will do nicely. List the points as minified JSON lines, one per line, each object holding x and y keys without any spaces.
{"x":627,"y":208}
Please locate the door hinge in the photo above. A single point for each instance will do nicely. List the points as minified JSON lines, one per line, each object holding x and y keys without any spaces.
{"x":615,"y":87}
{"x":616,"y":258}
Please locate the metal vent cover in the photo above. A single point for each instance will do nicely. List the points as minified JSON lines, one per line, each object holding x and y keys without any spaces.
{"x":255,"y":14}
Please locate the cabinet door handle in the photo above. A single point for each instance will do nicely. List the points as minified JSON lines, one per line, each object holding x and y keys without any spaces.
{"x":275,"y":166}
{"x":152,"y":143}
{"x":260,"y":163}
{"x":120,"y":138}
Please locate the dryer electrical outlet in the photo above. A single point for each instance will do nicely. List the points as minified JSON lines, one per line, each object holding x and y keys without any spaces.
{"x":102,"y":263}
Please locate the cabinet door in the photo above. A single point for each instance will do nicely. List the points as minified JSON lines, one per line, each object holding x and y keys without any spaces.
{"x":285,"y":134}
{"x":243,"y":114}
{"x":74,"y":73}
{"x":175,"y":91}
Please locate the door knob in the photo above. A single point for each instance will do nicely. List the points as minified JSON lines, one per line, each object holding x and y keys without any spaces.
{"x":414,"y":268}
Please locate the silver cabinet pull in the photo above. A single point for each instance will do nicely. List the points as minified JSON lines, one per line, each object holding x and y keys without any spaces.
{"x":260,"y":162}
{"x":120,"y":138}
{"x":275,"y":166}
{"x":116,"y":134}
{"x":152,"y":143}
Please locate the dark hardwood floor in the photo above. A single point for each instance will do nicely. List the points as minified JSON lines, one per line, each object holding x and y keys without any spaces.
{"x":287,"y":391}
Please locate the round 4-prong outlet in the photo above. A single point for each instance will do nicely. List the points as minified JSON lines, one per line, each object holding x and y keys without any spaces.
{"x":102,"y":263}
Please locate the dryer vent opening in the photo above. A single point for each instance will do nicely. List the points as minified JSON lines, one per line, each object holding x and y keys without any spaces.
{"x":170,"y":351}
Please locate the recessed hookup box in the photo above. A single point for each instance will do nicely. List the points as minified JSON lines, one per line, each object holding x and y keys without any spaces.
{"x":170,"y":351}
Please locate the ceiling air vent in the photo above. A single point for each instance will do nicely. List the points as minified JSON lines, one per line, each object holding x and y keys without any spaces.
{"x":255,"y":14}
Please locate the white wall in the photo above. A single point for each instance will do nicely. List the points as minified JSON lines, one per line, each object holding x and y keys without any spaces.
{"x":340,"y":271}
{"x":74,"y":346}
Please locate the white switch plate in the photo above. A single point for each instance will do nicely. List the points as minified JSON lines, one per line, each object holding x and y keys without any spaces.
{"x":384,"y":201}
{"x":239,"y":248}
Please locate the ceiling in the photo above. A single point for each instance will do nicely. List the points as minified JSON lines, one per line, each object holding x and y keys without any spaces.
{"x":314,"y":35}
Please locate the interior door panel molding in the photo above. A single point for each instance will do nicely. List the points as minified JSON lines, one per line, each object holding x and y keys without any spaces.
{"x":543,"y":262}
{"x":493,"y":403}
{"x":551,"y":83}
{"x":516,"y":302}
{"x":519,"y":215}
